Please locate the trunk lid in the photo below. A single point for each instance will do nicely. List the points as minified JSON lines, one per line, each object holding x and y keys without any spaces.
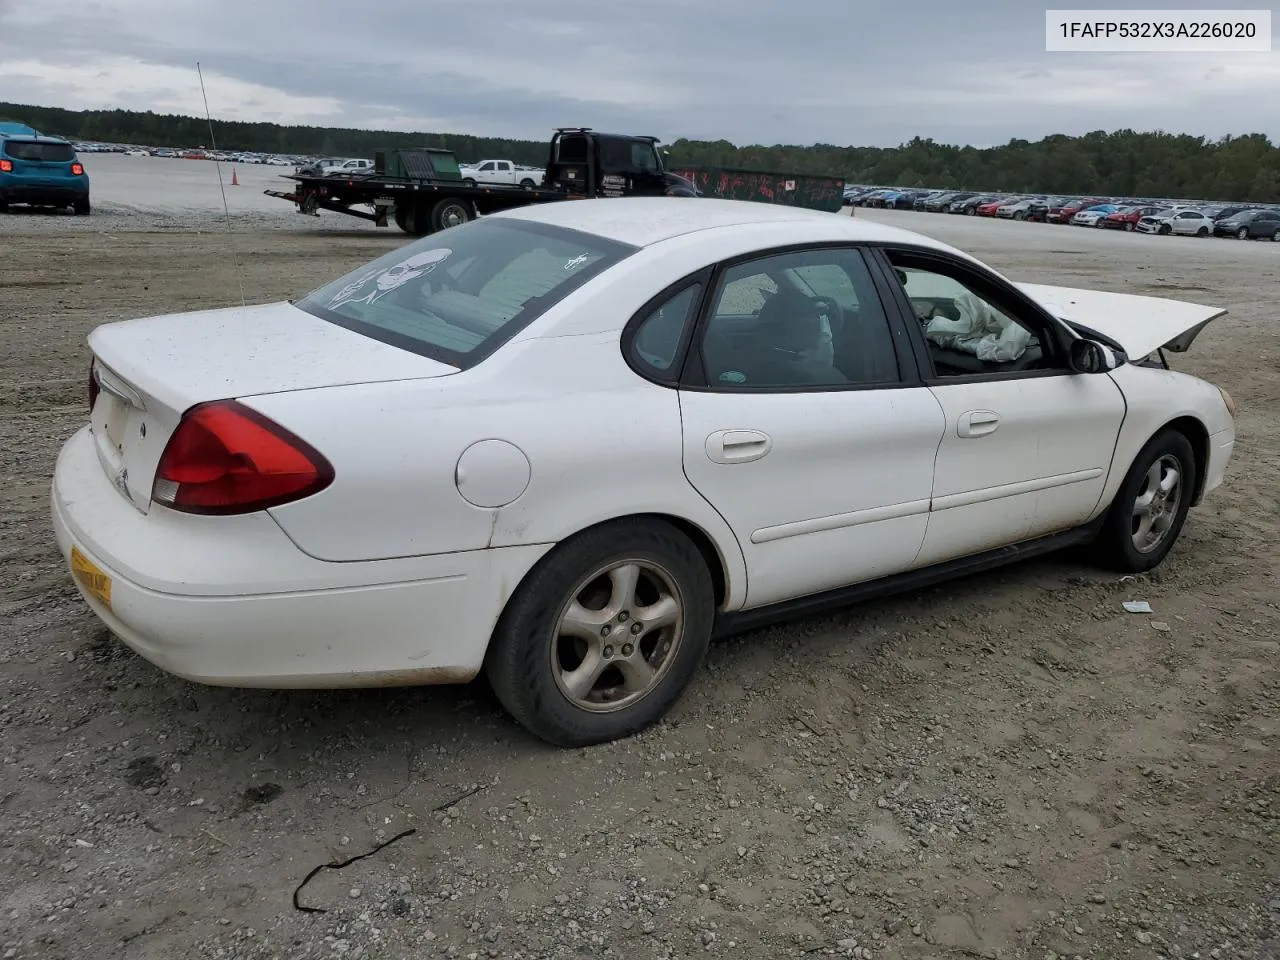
{"x":1140,"y":324}
{"x":150,"y":371}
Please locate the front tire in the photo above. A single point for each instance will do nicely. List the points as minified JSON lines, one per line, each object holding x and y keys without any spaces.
{"x":1242,"y":233}
{"x":1202,"y":232}
{"x":1151,"y":505}
{"x":604,"y":634}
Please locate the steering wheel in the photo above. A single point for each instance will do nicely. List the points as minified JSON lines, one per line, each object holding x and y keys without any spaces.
{"x":834,"y":312}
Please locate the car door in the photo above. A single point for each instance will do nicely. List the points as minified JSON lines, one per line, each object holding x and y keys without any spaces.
{"x":1028,"y":443}
{"x":1264,"y":225}
{"x":805,"y":425}
{"x":1188,"y":222}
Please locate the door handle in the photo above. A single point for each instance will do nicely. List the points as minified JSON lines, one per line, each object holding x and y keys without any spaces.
{"x":977,"y":423}
{"x":737,"y":446}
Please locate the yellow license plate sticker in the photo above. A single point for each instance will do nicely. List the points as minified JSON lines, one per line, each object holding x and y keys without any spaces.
{"x":91,"y":578}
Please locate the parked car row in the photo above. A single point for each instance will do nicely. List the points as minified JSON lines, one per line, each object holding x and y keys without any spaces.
{"x":191,"y":153}
{"x":1161,"y":217}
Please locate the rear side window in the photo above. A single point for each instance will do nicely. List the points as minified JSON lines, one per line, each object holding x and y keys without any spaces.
{"x":458,"y":295}
{"x":39,"y":150}
{"x":657,"y":340}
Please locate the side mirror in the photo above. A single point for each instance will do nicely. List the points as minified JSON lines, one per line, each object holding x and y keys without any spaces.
{"x":1090,"y":356}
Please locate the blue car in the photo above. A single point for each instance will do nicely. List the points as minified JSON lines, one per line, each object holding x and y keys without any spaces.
{"x":40,"y":171}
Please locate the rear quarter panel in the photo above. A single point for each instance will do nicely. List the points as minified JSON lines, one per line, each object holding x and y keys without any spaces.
{"x":601,"y":442}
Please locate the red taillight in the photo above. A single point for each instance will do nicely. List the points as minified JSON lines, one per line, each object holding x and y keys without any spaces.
{"x":77,"y":170}
{"x":94,"y":386}
{"x":226,"y":458}
{"x":6,"y":166}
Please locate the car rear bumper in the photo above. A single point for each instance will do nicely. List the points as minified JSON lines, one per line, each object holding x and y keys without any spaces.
{"x":231,"y":601}
{"x":15,"y":191}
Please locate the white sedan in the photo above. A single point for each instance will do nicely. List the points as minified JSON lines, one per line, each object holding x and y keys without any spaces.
{"x":1186,"y":223}
{"x":566,"y":444}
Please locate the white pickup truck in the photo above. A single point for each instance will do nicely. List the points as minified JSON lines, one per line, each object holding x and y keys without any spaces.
{"x":501,"y":171}
{"x":333,"y":168}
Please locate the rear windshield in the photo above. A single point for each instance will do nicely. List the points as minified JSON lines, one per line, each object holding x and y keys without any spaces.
{"x":459,"y":294}
{"x":38,"y":150}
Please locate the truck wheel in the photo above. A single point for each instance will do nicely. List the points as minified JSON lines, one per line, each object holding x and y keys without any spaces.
{"x":410,"y":219}
{"x":469,"y":181}
{"x":527,"y":184}
{"x":449,"y":212}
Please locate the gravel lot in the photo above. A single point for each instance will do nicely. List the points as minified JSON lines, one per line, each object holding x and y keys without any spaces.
{"x":1008,"y":766}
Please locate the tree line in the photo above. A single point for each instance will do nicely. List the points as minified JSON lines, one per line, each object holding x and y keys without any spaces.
{"x":1118,"y":163}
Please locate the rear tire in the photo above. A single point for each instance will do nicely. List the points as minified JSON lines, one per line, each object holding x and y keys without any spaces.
{"x":1138,"y":535}
{"x":1128,"y":227}
{"x":527,"y":184}
{"x":622,"y":668}
{"x":81,"y":208}
{"x":449,"y":212}
{"x":410,"y":219}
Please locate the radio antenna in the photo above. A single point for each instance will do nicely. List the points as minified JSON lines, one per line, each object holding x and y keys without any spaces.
{"x":213,"y":143}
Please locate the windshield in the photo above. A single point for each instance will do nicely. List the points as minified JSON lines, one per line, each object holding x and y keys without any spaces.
{"x":458,"y":295}
{"x":39,"y":150}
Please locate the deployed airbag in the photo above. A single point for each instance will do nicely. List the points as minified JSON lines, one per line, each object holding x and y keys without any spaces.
{"x":988,"y":335}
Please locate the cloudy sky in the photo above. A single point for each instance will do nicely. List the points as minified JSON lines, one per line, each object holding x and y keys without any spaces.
{"x":750,"y":71}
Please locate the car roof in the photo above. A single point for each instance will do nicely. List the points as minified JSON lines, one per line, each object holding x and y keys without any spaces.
{"x":29,"y":137}
{"x":644,"y":221}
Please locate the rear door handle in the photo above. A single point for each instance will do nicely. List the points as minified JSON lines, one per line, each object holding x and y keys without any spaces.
{"x":737,"y":446}
{"x":977,"y":423}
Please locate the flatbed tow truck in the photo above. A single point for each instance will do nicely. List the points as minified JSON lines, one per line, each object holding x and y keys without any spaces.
{"x":422,"y":190}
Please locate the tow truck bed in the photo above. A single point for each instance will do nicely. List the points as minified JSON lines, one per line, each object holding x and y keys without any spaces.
{"x":418,"y":206}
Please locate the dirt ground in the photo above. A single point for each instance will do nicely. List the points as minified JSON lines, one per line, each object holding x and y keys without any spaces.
{"x":1007,"y":766}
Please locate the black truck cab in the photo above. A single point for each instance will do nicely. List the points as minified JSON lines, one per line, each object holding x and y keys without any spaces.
{"x":589,"y":164}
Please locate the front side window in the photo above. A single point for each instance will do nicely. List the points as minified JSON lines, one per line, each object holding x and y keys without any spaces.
{"x":967,"y":333}
{"x":458,"y":294}
{"x":770,"y":327}
{"x":644,"y":157}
